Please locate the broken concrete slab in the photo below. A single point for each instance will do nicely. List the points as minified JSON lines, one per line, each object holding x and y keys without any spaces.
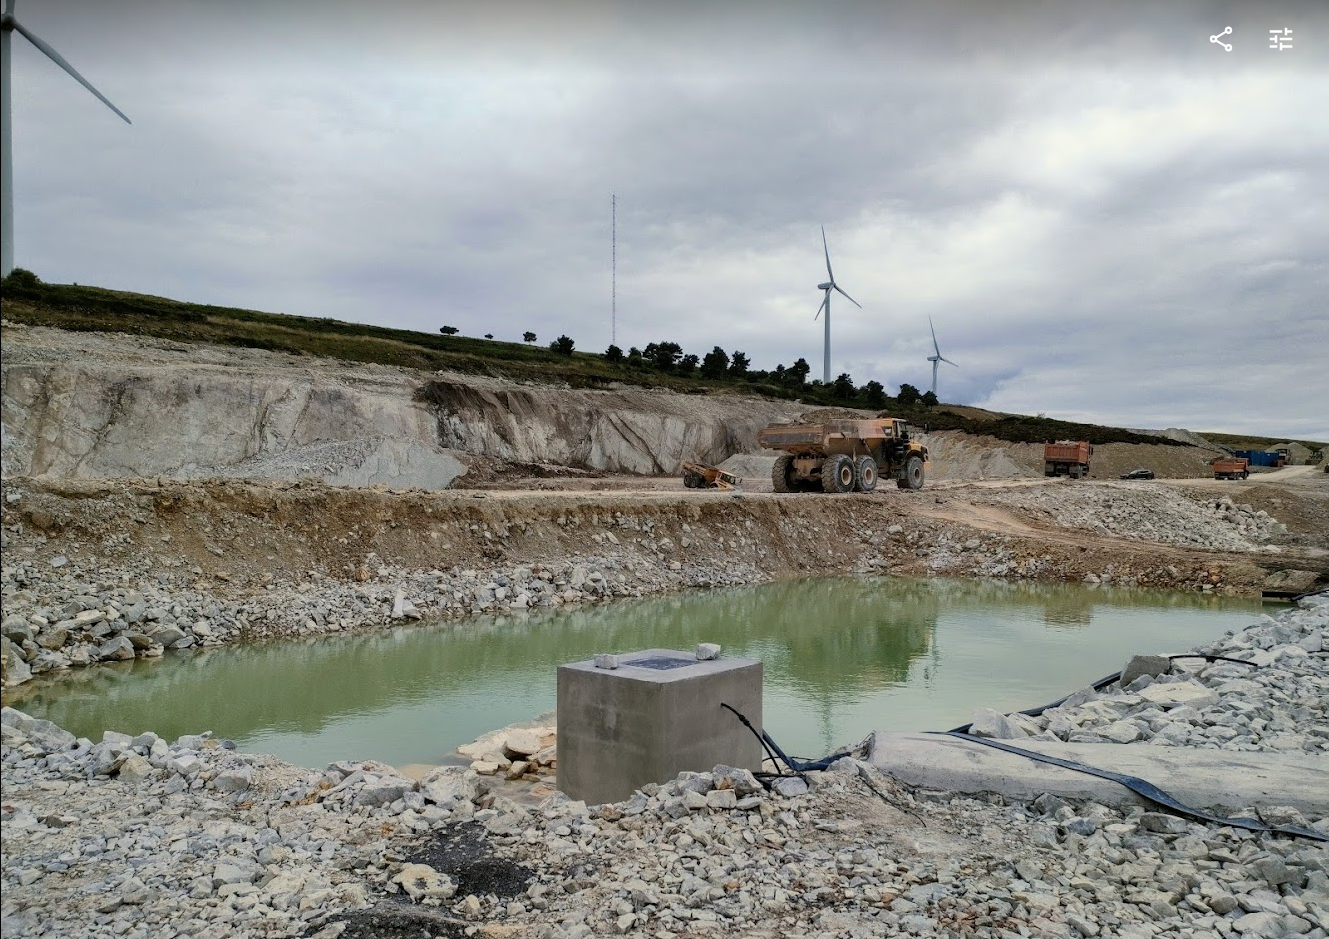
{"x":1217,"y":781}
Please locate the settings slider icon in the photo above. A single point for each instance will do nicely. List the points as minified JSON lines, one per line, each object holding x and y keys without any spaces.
{"x":1218,"y":40}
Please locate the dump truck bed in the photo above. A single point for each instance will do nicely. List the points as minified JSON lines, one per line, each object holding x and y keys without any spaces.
{"x":1066,"y":452}
{"x":798,"y":436}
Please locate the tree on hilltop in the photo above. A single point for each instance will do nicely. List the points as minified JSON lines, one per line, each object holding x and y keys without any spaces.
{"x":663,"y":355}
{"x":528,"y":336}
{"x":448,"y":330}
{"x":562,"y":345}
{"x":715,"y":364}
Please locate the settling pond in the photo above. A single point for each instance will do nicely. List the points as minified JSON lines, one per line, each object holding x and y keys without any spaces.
{"x":842,"y":657}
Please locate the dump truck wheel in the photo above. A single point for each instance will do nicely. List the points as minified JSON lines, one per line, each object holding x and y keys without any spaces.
{"x":865,"y":475}
{"x":913,"y":474}
{"x":837,"y":474}
{"x":782,"y":475}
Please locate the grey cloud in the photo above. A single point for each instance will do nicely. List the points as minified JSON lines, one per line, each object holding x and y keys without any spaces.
{"x":1099,"y":211}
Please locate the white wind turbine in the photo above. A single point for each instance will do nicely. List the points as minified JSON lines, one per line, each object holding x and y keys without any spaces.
{"x":9,"y":25}
{"x":826,"y":305}
{"x":936,"y":356}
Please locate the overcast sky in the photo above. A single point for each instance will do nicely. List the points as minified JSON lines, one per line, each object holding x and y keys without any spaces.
{"x":1108,"y":217}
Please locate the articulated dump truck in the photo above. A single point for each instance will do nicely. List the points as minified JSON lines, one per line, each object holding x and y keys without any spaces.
{"x":841,"y":456}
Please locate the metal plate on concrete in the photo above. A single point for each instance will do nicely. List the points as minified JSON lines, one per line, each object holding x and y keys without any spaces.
{"x":661,"y":662}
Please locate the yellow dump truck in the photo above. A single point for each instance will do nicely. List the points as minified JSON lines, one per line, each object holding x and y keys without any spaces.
{"x":841,"y":456}
{"x":701,"y":476}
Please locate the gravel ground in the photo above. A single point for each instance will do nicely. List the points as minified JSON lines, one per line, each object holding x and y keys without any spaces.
{"x":141,"y":837}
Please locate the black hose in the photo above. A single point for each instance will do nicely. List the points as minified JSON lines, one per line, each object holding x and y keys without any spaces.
{"x":1139,"y":786}
{"x":1105,"y":681}
{"x":762,"y":739}
{"x":1146,"y":789}
{"x":796,"y":766}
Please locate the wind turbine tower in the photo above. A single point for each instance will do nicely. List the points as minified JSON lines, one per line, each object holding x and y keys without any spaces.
{"x":10,"y":25}
{"x":829,"y":286}
{"x":936,"y":356}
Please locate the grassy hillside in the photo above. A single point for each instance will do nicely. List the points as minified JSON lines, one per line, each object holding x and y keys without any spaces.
{"x":69,"y":306}
{"x":1247,"y":442}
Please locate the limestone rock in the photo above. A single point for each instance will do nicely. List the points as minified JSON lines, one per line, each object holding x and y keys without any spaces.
{"x":1151,"y":665}
{"x":420,"y":881}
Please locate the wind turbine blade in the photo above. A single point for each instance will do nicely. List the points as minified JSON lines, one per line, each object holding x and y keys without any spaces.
{"x":847,"y":297}
{"x":935,"y":348}
{"x":947,"y":361}
{"x":824,"y":300}
{"x":59,"y":60}
{"x":824,"y":247}
{"x":9,"y":7}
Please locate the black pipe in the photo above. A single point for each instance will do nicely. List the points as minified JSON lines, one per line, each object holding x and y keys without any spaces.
{"x":1148,"y":790}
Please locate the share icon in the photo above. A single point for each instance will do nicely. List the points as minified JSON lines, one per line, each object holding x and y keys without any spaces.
{"x":1218,"y":40}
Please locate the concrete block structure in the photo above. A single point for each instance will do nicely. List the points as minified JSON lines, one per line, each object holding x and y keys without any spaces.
{"x":656,"y":714}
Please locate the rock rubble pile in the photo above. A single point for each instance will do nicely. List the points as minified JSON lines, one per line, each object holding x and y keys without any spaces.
{"x":1147,"y":512}
{"x":1279,"y":701}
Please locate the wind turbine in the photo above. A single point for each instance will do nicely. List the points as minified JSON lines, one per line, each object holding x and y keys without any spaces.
{"x":9,"y":25}
{"x":826,"y":305}
{"x":937,"y":356}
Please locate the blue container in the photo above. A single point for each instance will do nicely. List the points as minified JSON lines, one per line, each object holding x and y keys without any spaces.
{"x":1258,"y":457}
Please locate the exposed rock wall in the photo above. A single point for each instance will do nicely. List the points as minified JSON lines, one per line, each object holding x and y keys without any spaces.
{"x":88,"y":419}
{"x":87,"y":405}
{"x":627,"y":430}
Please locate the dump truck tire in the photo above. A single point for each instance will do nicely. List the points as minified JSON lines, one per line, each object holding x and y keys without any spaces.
{"x":782,"y":473}
{"x":913,"y":474}
{"x":865,"y":474}
{"x":837,"y":474}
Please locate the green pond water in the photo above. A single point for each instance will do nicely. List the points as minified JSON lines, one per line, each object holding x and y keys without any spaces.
{"x":841,"y":657}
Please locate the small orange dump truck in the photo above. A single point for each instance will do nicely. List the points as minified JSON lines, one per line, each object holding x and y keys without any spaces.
{"x":1067,"y":458}
{"x":1231,"y":468}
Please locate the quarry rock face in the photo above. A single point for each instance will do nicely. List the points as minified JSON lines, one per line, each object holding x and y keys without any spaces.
{"x":89,"y":406}
{"x":623,"y":431}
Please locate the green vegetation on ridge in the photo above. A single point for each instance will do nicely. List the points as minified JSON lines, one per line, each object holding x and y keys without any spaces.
{"x":26,"y":299}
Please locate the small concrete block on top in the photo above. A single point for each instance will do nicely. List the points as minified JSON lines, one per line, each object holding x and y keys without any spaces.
{"x":653,"y":716}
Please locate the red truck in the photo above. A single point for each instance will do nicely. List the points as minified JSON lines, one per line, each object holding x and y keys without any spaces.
{"x":1067,"y":458}
{"x":1231,"y":468}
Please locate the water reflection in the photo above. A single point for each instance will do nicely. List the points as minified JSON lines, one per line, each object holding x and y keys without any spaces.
{"x":841,"y":657}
